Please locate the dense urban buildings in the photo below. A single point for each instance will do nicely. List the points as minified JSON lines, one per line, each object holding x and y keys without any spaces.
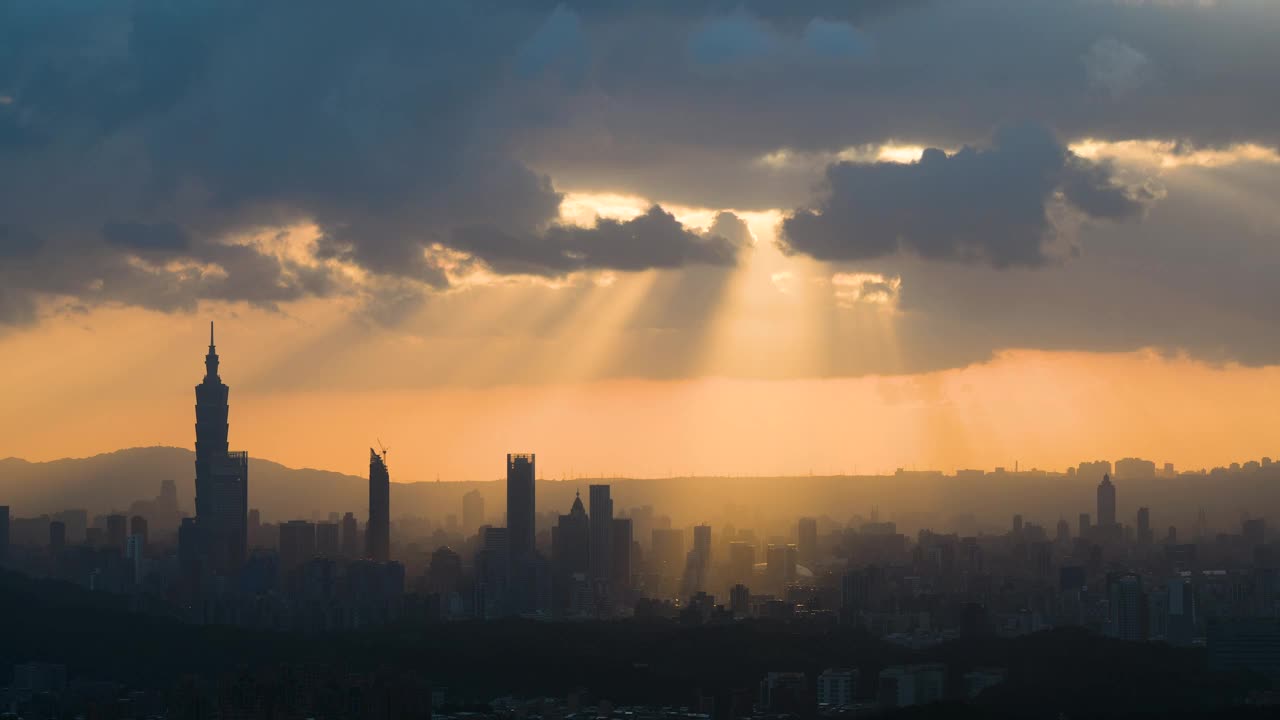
{"x":835,"y":570}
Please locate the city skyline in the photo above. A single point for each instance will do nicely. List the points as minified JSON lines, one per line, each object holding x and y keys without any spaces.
{"x":1192,"y":585}
{"x":714,"y":359}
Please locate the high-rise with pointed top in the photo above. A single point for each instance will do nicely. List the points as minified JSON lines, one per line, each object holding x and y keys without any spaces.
{"x":378,"y":528}
{"x":222,"y":476}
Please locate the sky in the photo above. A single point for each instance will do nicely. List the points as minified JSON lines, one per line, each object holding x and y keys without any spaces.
{"x":645,"y":239}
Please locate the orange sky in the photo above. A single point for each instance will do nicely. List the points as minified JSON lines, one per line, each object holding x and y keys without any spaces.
{"x":120,"y":378}
{"x":778,"y":365}
{"x":781,"y":365}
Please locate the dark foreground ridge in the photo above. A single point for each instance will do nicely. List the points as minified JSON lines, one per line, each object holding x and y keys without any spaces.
{"x":1055,"y":673}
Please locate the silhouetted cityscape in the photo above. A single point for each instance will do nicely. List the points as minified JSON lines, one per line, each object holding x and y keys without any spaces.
{"x":714,"y":359}
{"x":1211,"y":592}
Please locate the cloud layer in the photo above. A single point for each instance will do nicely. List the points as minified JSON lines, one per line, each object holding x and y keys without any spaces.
{"x":987,"y":205}
{"x":157,"y":155}
{"x":145,"y":141}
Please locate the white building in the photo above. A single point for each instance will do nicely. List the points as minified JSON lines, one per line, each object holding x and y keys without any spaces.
{"x":836,"y":687}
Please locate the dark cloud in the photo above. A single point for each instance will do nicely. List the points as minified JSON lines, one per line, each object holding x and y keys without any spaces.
{"x":134,"y":131}
{"x":17,"y":242}
{"x":652,"y":240}
{"x":161,"y":237}
{"x":666,"y":122}
{"x":987,"y":205}
{"x":140,"y":143}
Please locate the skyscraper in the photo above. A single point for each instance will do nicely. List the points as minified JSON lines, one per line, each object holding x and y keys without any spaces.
{"x":297,"y":546}
{"x":138,"y":526}
{"x":698,"y":563}
{"x":601,"y":533}
{"x":117,"y":531}
{"x":667,"y":555}
{"x":520,"y":504}
{"x":570,"y":558}
{"x":493,"y":566}
{"x":702,"y":542}
{"x":742,"y":561}
{"x":571,"y":540}
{"x":1127,"y":607}
{"x":521,"y":562}
{"x":472,"y":511}
{"x":57,"y":535}
{"x":350,"y":536}
{"x":377,"y":530}
{"x":807,"y":540}
{"x":621,"y":560}
{"x":1106,"y":503}
{"x":4,"y":531}
{"x":327,"y":540}
{"x":222,"y":477}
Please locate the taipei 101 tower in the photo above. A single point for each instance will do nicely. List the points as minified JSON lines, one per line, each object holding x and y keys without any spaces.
{"x":222,"y":477}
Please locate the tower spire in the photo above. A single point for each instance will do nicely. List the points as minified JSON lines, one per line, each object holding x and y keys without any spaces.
{"x":211,"y":359}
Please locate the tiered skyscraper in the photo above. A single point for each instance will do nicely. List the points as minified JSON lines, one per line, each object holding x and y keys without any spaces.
{"x":378,"y":529}
{"x":222,"y":476}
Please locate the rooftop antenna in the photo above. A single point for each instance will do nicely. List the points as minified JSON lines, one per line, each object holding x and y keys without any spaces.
{"x":210,"y":333}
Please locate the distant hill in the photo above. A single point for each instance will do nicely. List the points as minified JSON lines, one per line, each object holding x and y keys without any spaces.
{"x":113,"y":481}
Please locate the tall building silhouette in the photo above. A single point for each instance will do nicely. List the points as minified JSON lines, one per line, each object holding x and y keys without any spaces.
{"x":601,"y":533}
{"x":807,"y":539}
{"x":1106,"y":503}
{"x":57,"y":534}
{"x":377,"y":530}
{"x":1144,"y":525}
{"x":570,"y":559}
{"x":222,"y":476}
{"x":297,"y":545}
{"x":698,"y":562}
{"x":621,"y":561}
{"x":492,"y":566}
{"x":138,"y":526}
{"x":472,"y":511}
{"x":520,"y":504}
{"x":350,"y":537}
{"x":571,"y":540}
{"x":117,"y":531}
{"x":328,"y":542}
{"x":521,"y":573}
